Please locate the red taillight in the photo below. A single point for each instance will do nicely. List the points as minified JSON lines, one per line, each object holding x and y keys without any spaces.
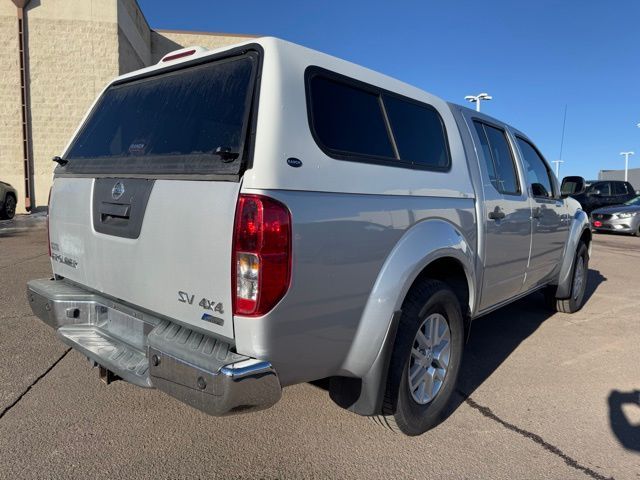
{"x":261,"y":267}
{"x":49,"y":213}
{"x":597,"y":223}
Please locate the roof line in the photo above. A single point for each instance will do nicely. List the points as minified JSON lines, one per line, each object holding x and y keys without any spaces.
{"x":213,"y":34}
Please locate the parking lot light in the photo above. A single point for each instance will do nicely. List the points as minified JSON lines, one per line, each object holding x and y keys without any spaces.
{"x":626,"y":162}
{"x":557,"y":163}
{"x":477,"y":98}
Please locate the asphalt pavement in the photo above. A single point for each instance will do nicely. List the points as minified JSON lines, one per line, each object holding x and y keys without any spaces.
{"x":540,"y":396}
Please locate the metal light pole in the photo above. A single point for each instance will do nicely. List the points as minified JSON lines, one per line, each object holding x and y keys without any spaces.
{"x":626,"y":162}
{"x":477,"y":98}
{"x":557,"y":162}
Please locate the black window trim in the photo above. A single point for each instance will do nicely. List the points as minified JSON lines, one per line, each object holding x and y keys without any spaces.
{"x":514,"y":161}
{"x":314,"y":70}
{"x":245,"y":160}
{"x":555,"y":195}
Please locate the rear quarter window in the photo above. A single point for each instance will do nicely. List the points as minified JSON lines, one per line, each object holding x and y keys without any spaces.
{"x":419,"y":133}
{"x":347,"y":119}
{"x":351,"y":120}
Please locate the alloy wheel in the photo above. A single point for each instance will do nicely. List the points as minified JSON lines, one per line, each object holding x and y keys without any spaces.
{"x":429,"y":359}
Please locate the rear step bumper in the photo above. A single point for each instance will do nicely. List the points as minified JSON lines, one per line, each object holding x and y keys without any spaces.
{"x":197,"y":369}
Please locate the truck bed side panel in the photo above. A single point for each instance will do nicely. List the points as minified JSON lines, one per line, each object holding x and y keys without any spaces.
{"x":340,"y":244}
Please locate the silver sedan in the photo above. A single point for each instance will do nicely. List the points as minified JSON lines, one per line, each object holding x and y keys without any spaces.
{"x":623,"y":218}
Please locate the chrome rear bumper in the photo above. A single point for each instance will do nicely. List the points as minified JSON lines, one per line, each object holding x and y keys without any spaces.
{"x":147,"y":351}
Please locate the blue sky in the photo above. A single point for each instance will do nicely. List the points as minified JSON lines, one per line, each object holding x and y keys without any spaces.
{"x":533,"y":57}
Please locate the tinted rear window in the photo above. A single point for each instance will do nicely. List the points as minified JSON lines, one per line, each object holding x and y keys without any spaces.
{"x":356,"y":121}
{"x":348,"y":119}
{"x":169,"y":123}
{"x":418,"y":131}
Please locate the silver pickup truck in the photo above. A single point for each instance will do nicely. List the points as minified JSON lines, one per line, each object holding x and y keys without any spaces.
{"x":227,"y":223}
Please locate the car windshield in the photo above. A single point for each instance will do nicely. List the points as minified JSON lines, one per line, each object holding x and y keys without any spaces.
{"x":634,"y":201}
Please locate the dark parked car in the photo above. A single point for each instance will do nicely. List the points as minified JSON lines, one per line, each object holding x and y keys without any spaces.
{"x":601,"y":193}
{"x":8,"y":201}
{"x":623,"y":218}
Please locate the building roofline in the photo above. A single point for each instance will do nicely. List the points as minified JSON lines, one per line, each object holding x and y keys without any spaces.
{"x":213,"y":34}
{"x":620,"y":169}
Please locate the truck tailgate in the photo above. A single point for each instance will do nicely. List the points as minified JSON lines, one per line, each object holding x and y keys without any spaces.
{"x":178,"y":265}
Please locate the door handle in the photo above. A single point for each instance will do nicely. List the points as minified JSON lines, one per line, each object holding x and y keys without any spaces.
{"x":110,"y":212}
{"x":536,"y":213}
{"x":497,"y":214}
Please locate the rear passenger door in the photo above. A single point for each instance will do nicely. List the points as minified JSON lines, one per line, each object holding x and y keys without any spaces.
{"x":506,"y":219}
{"x":549,"y":216}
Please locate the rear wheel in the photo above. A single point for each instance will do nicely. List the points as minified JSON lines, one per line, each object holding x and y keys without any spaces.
{"x":637,"y":232}
{"x":8,"y":210}
{"x":426,"y":359}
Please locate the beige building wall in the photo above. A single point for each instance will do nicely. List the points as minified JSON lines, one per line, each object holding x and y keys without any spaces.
{"x":11,"y":168}
{"x":73,"y":53}
{"x":75,"y":47}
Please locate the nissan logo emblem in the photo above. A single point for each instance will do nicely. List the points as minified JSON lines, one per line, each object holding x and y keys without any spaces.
{"x":117,"y":191}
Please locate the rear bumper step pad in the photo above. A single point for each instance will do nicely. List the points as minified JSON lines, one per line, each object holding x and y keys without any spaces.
{"x":197,"y":369}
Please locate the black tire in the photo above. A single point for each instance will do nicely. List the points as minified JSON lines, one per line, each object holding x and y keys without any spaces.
{"x":576,"y":300}
{"x":8,"y":210}
{"x":401,"y":412}
{"x":637,"y":232}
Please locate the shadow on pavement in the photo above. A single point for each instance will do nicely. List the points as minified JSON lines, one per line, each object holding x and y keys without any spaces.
{"x":627,"y":434}
{"x":495,"y":336}
{"x":593,"y":282}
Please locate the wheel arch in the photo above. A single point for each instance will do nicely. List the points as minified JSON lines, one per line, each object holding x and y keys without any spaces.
{"x":431,"y":249}
{"x":580,"y":231}
{"x":451,"y":271}
{"x":11,"y":194}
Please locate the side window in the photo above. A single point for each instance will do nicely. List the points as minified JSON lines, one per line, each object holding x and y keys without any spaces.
{"x":498,"y":158}
{"x":360,"y":122}
{"x":603,"y":189}
{"x":348,"y":119}
{"x":619,"y":188}
{"x":538,"y":173}
{"x":419,"y":133}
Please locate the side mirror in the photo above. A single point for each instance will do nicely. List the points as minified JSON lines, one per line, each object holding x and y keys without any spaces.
{"x":572,"y":186}
{"x":538,"y":190}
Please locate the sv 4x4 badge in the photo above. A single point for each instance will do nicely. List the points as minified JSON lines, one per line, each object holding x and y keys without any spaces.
{"x":205,"y":303}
